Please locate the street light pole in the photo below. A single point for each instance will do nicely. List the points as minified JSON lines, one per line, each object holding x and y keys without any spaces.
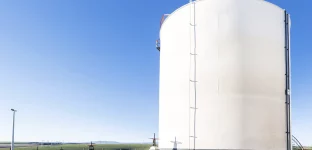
{"x":12,"y":143}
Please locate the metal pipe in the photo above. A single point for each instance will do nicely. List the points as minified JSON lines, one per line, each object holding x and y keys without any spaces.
{"x":194,"y":80}
{"x":287,"y":90}
{"x":289,"y":77}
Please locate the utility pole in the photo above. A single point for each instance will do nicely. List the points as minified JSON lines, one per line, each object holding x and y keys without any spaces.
{"x":12,"y":143}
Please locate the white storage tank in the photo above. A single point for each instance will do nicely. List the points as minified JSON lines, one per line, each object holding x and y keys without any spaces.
{"x":224,"y":68}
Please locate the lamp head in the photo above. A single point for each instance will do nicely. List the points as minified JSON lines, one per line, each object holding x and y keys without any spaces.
{"x":13,"y":109}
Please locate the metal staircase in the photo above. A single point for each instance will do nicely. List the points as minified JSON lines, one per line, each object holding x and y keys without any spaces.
{"x":297,"y":144}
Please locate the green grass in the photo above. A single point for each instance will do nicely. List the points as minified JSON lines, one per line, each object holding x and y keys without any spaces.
{"x":96,"y":147}
{"x":305,"y":148}
{"x":85,"y":147}
{"x":14,"y":142}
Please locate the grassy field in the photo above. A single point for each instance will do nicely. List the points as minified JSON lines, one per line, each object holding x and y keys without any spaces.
{"x":96,"y":147}
{"x":85,"y":147}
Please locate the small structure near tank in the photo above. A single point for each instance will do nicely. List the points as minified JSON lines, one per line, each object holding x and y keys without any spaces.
{"x":154,"y":146}
{"x":91,"y":146}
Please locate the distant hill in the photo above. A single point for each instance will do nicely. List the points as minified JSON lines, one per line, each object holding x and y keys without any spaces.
{"x":95,"y":142}
{"x":105,"y":142}
{"x":136,"y":143}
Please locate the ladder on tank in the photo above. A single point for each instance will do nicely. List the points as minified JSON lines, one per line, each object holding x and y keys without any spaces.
{"x":192,"y":78}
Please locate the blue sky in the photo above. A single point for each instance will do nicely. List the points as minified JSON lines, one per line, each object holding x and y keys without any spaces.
{"x":88,"y":70}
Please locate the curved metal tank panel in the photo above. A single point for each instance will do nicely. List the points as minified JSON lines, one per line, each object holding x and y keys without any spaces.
{"x":240,"y":70}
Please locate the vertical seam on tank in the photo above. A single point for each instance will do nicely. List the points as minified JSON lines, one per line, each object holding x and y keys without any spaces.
{"x":218,"y":69}
{"x":218,"y":38}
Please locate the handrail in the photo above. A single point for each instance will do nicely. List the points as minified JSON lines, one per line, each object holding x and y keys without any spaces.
{"x":158,"y":44}
{"x":296,"y":141}
{"x":163,"y":18}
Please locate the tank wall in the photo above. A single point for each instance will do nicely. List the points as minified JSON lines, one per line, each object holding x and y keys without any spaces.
{"x":240,"y":73}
